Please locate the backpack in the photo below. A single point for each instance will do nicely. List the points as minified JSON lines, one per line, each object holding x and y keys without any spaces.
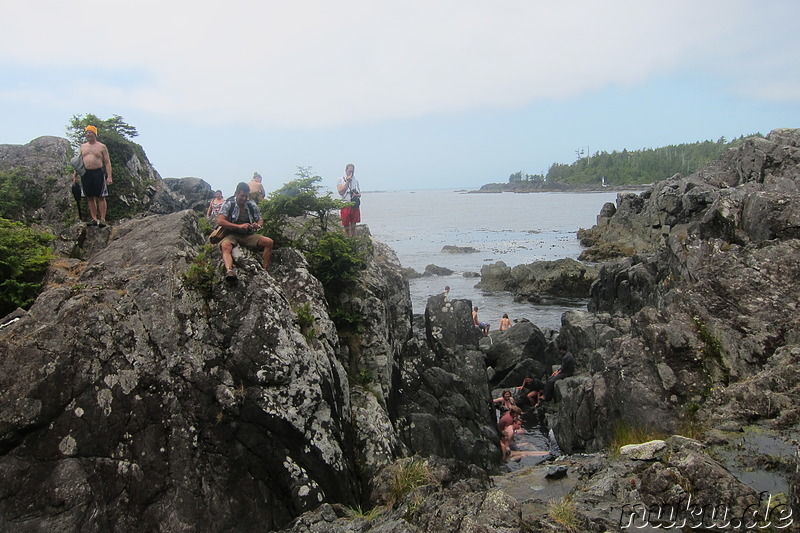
{"x":231,"y":201}
{"x":77,"y":164}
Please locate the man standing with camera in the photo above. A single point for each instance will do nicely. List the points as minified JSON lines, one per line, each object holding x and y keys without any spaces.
{"x":350,"y":192}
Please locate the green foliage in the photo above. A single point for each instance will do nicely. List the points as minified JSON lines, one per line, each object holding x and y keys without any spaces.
{"x":297,"y":198}
{"x":634,"y":167}
{"x":116,"y":135}
{"x":712,"y":347}
{"x":19,"y":195}
{"x":690,"y":425}
{"x":407,"y":477}
{"x":337,"y":259}
{"x":305,"y":319}
{"x":114,"y":126}
{"x":344,"y":319}
{"x":200,"y":274}
{"x":205,"y":225}
{"x":358,"y":513}
{"x":520,"y":176}
{"x":365,"y":377}
{"x":334,"y":259}
{"x":24,"y":256}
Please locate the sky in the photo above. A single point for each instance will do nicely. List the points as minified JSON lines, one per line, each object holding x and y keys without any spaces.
{"x":417,"y":94}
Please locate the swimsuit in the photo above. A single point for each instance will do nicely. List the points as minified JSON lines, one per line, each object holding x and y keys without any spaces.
{"x":93,"y":183}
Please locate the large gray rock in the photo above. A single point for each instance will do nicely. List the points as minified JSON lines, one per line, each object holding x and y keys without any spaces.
{"x":444,"y":406}
{"x":44,"y":164}
{"x":454,"y":498}
{"x":709,"y":300}
{"x":372,"y":353}
{"x":541,"y":281}
{"x":516,"y":352}
{"x":193,"y":193}
{"x":130,"y":402}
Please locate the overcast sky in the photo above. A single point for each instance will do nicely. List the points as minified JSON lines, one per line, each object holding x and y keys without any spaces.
{"x":417,"y":94}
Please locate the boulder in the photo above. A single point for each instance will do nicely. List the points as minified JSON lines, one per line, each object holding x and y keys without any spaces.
{"x":459,"y":250}
{"x":44,"y":165}
{"x":522,"y":347}
{"x":449,"y":325}
{"x":542,"y":281}
{"x":132,"y":398}
{"x":433,"y":270}
{"x":193,"y":193}
{"x":444,"y":407}
{"x":647,"y":451}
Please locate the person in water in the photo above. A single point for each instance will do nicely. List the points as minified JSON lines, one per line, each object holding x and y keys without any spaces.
{"x":504,"y":402}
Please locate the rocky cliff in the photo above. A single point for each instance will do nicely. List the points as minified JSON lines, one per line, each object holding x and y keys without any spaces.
{"x":131,"y":402}
{"x":709,"y":301}
{"x":136,"y":396}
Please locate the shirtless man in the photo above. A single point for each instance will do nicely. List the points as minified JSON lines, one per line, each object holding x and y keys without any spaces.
{"x":483,"y":326}
{"x":257,"y":192}
{"x":94,"y":181}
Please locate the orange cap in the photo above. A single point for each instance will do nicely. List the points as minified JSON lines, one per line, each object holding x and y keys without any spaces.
{"x":92,"y":129}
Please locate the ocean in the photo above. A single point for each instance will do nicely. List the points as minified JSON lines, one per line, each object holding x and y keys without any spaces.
{"x":510,"y":227}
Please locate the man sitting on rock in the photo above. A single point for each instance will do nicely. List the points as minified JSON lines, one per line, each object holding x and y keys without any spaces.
{"x":566,"y":370}
{"x":483,"y":326}
{"x":240,"y":217}
{"x":532,"y":388}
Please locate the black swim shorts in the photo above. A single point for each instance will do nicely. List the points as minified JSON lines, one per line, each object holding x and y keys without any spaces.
{"x":94,"y":183}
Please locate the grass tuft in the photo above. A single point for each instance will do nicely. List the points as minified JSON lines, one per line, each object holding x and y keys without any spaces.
{"x":625,"y":434}
{"x":408,"y":477}
{"x":564,"y":513}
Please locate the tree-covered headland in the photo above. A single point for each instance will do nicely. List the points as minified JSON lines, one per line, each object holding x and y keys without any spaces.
{"x":637,"y":167}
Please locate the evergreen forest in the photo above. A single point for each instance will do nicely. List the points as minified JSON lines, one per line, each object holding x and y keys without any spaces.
{"x":632,"y":167}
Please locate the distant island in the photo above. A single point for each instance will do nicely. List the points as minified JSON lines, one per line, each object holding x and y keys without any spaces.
{"x":618,"y":171}
{"x":543,"y":186}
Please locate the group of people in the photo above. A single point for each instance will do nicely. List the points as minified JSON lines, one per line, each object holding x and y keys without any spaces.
{"x":240,"y":217}
{"x":505,"y":322}
{"x":536,"y":391}
{"x":510,"y":422}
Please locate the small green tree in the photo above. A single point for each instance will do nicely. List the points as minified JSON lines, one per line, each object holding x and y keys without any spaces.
{"x":334,"y":259}
{"x":24,"y":256}
{"x":113,"y":128}
{"x":337,"y":259}
{"x":200,"y":274}
{"x":297,"y":198}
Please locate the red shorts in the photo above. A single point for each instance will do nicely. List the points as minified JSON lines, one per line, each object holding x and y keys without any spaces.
{"x":350,"y":215}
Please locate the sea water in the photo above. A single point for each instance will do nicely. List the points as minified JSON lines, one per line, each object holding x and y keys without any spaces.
{"x":511,"y":227}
